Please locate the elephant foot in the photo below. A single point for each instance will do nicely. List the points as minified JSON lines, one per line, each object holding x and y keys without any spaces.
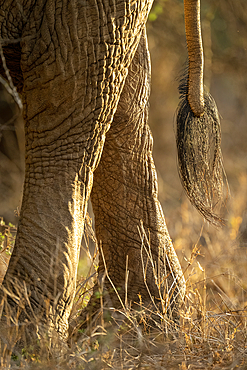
{"x":24,"y":335}
{"x":100,"y":315}
{"x":116,"y":328}
{"x":30,"y":344}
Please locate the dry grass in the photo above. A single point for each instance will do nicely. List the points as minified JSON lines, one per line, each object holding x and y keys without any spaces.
{"x":7,"y":239}
{"x":212,"y":331}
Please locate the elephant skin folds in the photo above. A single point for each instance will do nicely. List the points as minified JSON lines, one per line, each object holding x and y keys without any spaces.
{"x":85,"y":81}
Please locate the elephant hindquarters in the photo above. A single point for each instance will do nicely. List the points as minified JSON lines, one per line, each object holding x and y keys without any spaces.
{"x":74,"y":61}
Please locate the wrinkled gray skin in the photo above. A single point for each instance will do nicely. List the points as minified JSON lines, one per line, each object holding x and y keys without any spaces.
{"x":86,"y":85}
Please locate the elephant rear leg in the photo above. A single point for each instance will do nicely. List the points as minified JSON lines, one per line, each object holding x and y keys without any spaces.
{"x":125,"y":204}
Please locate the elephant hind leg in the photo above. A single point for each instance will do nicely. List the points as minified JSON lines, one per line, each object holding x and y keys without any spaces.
{"x":124,"y":197}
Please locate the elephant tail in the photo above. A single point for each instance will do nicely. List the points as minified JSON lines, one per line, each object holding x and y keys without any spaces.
{"x":198,"y":133}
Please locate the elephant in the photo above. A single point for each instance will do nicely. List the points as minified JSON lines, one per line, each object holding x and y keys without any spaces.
{"x":82,"y":69}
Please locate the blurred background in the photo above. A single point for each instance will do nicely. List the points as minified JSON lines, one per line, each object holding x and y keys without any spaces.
{"x":221,"y":253}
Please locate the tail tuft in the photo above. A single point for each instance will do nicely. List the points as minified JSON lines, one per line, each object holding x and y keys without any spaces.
{"x":199,"y":155}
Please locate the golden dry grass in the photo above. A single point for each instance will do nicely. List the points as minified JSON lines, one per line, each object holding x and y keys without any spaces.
{"x":212,"y":330}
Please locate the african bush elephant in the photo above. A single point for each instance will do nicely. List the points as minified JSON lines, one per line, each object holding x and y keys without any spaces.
{"x":82,"y":68}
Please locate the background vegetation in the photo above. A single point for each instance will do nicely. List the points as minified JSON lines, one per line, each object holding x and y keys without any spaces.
{"x":214,"y":260}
